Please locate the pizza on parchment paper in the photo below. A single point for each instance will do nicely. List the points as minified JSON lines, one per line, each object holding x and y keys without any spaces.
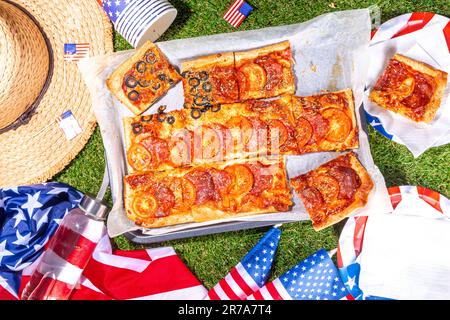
{"x":207,"y":192}
{"x":334,"y":190}
{"x":410,"y":88}
{"x":142,"y":79}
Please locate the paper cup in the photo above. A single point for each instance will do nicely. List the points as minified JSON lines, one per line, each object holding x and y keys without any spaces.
{"x":144,"y":20}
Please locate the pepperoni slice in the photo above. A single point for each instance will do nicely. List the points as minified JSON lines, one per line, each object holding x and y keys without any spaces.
{"x":320,"y":127}
{"x":222,"y":180}
{"x":263,"y":177}
{"x":158,"y":148}
{"x":207,"y":142}
{"x":252,"y":77}
{"x":312,"y":199}
{"x":242,"y":179}
{"x":203,"y":184}
{"x":327,"y":186}
{"x":259,"y":136}
{"x":145,"y":205}
{"x":277,"y":130}
{"x":348,"y":179}
{"x":139,"y":157}
{"x":165,"y":198}
{"x":225,"y":82}
{"x":340,"y":124}
{"x":274,"y":71}
{"x":304,"y":132}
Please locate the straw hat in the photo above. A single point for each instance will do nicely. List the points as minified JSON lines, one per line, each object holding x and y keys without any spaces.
{"x":37,"y":85}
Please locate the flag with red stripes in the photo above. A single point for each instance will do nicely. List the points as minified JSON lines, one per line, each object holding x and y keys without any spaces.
{"x":315,"y":278}
{"x":237,"y":12}
{"x":251,"y":273}
{"x":74,"y":52}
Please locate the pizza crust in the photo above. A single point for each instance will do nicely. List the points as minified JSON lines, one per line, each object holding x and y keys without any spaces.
{"x":440,"y":77}
{"x":207,"y":62}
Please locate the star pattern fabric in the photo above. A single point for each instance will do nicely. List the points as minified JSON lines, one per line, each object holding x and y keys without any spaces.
{"x":28,"y":216}
{"x":115,"y":7}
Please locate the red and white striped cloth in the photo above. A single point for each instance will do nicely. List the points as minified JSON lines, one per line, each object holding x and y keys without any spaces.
{"x":408,"y":23}
{"x":350,"y":247}
{"x":125,"y":275}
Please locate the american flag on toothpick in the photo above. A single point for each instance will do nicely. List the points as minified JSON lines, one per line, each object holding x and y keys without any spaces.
{"x":315,"y":278}
{"x":74,"y":52}
{"x":251,"y":273}
{"x":238,"y":11}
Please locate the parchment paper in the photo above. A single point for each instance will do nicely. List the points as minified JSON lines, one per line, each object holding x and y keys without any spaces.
{"x":330,"y":53}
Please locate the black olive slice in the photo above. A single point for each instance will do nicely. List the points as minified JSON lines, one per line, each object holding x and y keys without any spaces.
{"x":200,"y":100}
{"x":131,"y":82}
{"x":170,"y":119}
{"x":171,"y":81}
{"x":194,"y":82}
{"x":137,"y":128}
{"x":141,"y":67}
{"x":184,"y":74}
{"x":156,"y":86}
{"x":150,"y":57}
{"x":133,"y":95}
{"x":161,"y":117}
{"x":162,"y":108}
{"x":147,"y":118}
{"x":216,"y":108}
{"x":144,"y":83}
{"x":203,"y":75}
{"x":196,"y":113}
{"x":207,"y":87}
{"x":162,"y":77}
{"x":205,"y":108}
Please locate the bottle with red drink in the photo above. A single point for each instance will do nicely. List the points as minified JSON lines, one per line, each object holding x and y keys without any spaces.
{"x":69,"y":251}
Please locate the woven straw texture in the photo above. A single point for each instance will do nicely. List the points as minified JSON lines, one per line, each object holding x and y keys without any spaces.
{"x":35,"y":152}
{"x":22,"y":78}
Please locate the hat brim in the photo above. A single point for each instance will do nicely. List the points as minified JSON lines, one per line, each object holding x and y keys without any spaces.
{"x":36,"y":151}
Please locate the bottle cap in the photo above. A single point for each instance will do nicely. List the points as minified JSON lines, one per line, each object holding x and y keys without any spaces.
{"x":94,"y":207}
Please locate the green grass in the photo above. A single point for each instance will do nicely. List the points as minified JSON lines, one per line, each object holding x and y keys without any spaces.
{"x":210,"y":257}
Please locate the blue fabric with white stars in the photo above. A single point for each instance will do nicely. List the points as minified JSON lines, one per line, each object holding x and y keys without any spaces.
{"x":259,"y":260}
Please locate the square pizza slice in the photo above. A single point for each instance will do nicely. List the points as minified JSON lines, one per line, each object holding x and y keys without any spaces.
{"x":334,"y":190}
{"x":265,"y":72}
{"x":210,"y":80}
{"x":208,"y":192}
{"x":142,"y":79}
{"x":410,"y":88}
{"x":325,"y":122}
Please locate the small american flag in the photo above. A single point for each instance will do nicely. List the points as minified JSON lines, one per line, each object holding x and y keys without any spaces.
{"x":251,"y":273}
{"x":238,"y":11}
{"x":74,"y":52}
{"x":315,"y":278}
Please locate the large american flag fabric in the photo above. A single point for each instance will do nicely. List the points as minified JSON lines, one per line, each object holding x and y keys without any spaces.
{"x":237,"y":12}
{"x":315,"y":278}
{"x":251,"y":273}
{"x":29,"y":217}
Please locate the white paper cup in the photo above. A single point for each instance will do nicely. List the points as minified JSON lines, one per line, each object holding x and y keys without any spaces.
{"x":145,"y":20}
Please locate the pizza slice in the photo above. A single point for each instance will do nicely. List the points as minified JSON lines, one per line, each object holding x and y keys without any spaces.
{"x":207,"y":192}
{"x":410,"y":88}
{"x":142,"y":79}
{"x":265,"y":72}
{"x":210,"y":80}
{"x":334,"y":190}
{"x":325,"y":122}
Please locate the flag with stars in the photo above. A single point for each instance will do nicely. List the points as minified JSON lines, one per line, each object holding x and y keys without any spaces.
{"x":29,"y":216}
{"x":237,"y":12}
{"x":315,"y":278}
{"x":251,"y":273}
